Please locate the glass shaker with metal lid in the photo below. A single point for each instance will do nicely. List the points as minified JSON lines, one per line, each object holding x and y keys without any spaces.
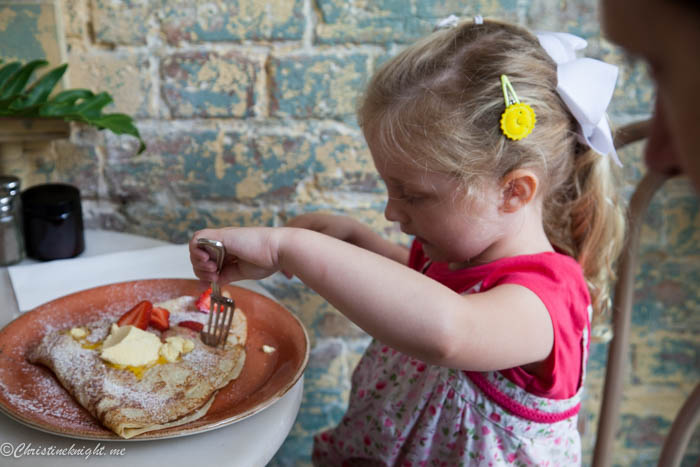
{"x":11,"y":236}
{"x":9,"y":184}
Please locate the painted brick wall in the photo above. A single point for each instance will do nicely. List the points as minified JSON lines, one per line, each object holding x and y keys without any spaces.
{"x":247,"y":108}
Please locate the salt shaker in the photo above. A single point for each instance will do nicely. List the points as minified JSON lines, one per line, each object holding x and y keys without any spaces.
{"x":9,"y":185}
{"x":11,"y":238}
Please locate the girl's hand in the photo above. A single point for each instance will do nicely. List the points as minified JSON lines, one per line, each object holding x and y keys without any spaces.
{"x":251,"y":253}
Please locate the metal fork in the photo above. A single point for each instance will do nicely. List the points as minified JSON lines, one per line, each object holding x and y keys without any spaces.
{"x":221,"y":309}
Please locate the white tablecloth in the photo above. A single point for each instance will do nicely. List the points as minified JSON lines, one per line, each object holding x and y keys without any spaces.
{"x":38,"y":283}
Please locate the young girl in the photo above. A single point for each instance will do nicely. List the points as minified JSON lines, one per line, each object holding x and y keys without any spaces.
{"x":481,"y":328}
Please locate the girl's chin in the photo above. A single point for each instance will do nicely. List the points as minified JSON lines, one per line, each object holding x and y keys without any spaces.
{"x":433,"y":253}
{"x":438,"y":256}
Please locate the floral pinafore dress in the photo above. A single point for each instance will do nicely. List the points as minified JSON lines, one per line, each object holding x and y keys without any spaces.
{"x":405,"y":412}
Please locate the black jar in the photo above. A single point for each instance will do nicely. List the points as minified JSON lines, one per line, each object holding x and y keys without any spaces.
{"x":53,"y":221}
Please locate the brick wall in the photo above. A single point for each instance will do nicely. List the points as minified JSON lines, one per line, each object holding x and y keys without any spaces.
{"x":247,"y":108}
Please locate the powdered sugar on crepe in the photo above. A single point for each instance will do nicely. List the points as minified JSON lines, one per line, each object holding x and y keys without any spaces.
{"x":54,"y":401}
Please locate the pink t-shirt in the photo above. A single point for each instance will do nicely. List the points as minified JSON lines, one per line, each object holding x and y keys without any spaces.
{"x":558,"y":281}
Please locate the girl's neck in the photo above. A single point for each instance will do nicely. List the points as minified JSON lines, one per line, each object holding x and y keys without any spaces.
{"x":523,"y":234}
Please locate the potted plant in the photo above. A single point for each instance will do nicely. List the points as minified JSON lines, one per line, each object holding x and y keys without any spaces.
{"x":20,"y":99}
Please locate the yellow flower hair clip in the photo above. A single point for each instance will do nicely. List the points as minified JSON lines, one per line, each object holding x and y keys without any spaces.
{"x":518,"y":120}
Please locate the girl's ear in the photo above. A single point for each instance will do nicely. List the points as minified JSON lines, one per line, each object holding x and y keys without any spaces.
{"x":519,"y":188}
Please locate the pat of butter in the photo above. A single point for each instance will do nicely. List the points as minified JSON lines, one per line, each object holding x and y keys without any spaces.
{"x":169,"y":352}
{"x":187,"y":346}
{"x":130,"y":346}
{"x":78,"y":333}
{"x":175,"y":346}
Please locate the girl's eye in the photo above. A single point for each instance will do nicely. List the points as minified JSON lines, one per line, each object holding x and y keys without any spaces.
{"x":412,"y":199}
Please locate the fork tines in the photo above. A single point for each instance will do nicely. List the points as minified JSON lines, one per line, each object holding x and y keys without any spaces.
{"x":220,"y":318}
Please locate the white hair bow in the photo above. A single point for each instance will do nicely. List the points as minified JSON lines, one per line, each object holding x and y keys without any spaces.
{"x":586,"y":86}
{"x":447,"y":23}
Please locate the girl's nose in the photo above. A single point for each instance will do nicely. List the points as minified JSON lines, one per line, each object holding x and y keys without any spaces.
{"x":393,"y":213}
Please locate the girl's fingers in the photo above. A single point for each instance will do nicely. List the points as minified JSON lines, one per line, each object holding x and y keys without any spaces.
{"x":203,"y":264}
{"x":202,"y":274}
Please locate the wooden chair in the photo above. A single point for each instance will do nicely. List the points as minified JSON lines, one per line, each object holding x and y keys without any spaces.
{"x":689,"y":414}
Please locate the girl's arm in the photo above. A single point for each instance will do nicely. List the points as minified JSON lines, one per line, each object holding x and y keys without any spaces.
{"x":352,"y":231}
{"x":504,"y":327}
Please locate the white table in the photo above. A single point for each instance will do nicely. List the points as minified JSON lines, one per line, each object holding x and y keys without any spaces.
{"x":250,"y":442}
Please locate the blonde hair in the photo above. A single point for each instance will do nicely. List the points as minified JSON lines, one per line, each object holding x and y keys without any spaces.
{"x":438,"y":104}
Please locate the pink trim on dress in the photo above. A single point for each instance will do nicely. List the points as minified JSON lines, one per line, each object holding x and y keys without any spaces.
{"x":515,"y":407}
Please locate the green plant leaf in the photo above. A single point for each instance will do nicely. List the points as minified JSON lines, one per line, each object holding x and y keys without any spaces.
{"x":56,"y":110}
{"x":92,"y":107}
{"x":21,"y":109}
{"x":120,"y":124}
{"x":8,"y":70}
{"x":39,"y":92}
{"x":16,"y":83}
{"x":70,"y":96}
{"x":27,"y":103}
{"x":80,"y":105}
{"x":5,"y":103}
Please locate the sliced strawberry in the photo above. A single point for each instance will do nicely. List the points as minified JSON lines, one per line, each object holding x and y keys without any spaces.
{"x":138,"y":316}
{"x":194,"y":325}
{"x":203,"y":303}
{"x":160,"y":319}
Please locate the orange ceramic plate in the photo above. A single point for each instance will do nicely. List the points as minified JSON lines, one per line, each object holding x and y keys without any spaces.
{"x":31,"y":394}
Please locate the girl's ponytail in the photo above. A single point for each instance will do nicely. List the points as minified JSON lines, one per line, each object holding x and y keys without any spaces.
{"x":591,"y":204}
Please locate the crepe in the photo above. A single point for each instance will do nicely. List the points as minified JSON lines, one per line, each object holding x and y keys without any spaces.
{"x":133,"y":401}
